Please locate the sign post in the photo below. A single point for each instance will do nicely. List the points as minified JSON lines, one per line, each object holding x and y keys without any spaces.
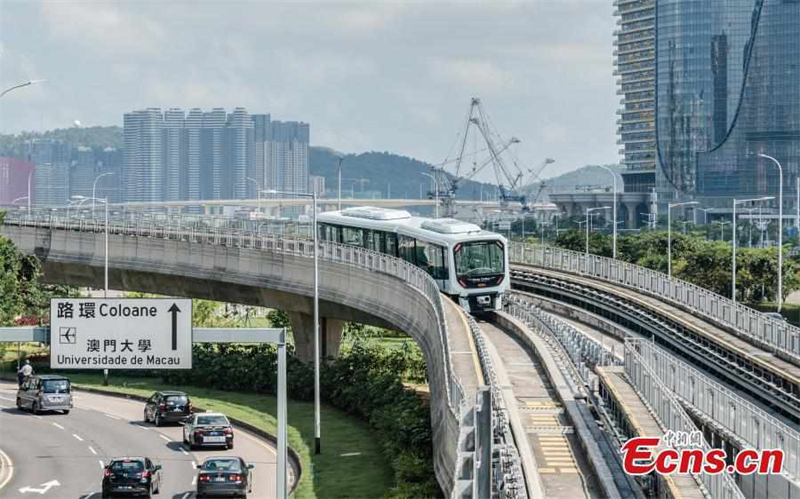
{"x":114,"y":333}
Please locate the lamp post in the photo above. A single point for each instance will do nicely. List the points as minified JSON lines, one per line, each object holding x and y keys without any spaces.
{"x":30,"y":176}
{"x":780,"y":228}
{"x":14,"y":201}
{"x":94,"y":187}
{"x":614,"y":215}
{"x":733,"y":257}
{"x":258,"y":194}
{"x":29,"y":82}
{"x":435,"y":193}
{"x":669,"y":232}
{"x":588,"y":218}
{"x":339,"y":169}
{"x":313,"y":197}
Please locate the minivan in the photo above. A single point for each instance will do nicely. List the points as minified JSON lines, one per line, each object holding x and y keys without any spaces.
{"x":45,"y":392}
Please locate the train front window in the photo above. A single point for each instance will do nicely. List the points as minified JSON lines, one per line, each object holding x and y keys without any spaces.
{"x":477,"y":258}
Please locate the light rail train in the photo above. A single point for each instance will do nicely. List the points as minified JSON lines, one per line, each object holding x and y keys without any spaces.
{"x":468,"y":263}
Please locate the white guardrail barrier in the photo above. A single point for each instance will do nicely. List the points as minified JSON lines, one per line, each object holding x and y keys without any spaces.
{"x":671,"y":416}
{"x":755,"y":427}
{"x":755,"y":327}
{"x":176,"y":229}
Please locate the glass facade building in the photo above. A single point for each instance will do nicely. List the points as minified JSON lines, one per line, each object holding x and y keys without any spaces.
{"x":727,"y":87}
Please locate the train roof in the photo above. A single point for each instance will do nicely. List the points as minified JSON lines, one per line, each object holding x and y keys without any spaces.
{"x":402,"y":221}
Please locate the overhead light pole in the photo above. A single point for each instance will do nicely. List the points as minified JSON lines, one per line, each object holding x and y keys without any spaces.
{"x":588,"y":211}
{"x":614,"y":215}
{"x":27,"y":83}
{"x":780,"y":228}
{"x":669,"y":232}
{"x":258,"y":194}
{"x":733,"y":256}
{"x":313,"y":197}
{"x":435,"y":193}
{"x":339,"y":170}
{"x":94,"y":187}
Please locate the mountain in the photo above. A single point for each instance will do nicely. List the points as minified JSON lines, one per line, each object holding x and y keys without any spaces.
{"x":96,"y":137}
{"x":585,"y":177}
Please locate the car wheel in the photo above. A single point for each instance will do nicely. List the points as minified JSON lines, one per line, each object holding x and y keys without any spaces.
{"x":230,"y":446}
{"x":35,"y":408}
{"x":157,"y":420}
{"x":66,"y":411}
{"x":19,"y":404}
{"x":144,"y":416}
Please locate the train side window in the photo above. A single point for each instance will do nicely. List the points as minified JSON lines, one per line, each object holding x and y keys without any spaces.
{"x":406,"y":249}
{"x":432,"y":259}
{"x":373,"y":239}
{"x":353,"y":236}
{"x":391,"y":244}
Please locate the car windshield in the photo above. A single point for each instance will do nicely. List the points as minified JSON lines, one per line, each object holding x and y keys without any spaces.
{"x":479,"y":258}
{"x":55,"y":386}
{"x":222,"y":465}
{"x":177,"y":400}
{"x":127,"y":467}
{"x":212,"y":420}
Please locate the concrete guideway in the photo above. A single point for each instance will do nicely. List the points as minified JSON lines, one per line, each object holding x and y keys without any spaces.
{"x":71,"y":449}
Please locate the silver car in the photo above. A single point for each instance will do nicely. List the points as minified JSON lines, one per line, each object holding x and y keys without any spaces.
{"x":46,"y":392}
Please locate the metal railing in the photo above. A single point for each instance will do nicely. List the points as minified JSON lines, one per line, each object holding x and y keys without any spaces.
{"x":751,"y":325}
{"x":175,"y":229}
{"x":507,"y":466}
{"x":669,"y":413}
{"x":755,"y":427}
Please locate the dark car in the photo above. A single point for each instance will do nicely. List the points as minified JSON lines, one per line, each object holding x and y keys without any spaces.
{"x":224,"y":476}
{"x":131,"y":476}
{"x":208,"y":428}
{"x":167,"y":407}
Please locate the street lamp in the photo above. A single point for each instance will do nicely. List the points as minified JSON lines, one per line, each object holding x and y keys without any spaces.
{"x":614,"y":215}
{"x":780,"y":228}
{"x":313,"y":197}
{"x":258,"y":194}
{"x":588,"y":211}
{"x":94,"y":187}
{"x":29,"y":82}
{"x":669,"y":232}
{"x":733,"y":260}
{"x":436,"y":193}
{"x":339,"y":169}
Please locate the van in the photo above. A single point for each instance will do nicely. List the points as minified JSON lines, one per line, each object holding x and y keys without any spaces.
{"x":45,"y":392}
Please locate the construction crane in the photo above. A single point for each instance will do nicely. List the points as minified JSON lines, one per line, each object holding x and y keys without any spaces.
{"x":447,"y":184}
{"x":536,"y":175}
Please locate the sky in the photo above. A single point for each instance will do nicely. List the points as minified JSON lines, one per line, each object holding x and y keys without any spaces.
{"x":385,"y":76}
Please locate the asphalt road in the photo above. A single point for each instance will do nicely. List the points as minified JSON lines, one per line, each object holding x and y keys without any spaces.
{"x":72,"y":450}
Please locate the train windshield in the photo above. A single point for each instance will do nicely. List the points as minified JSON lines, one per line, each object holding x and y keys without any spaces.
{"x":477,"y":258}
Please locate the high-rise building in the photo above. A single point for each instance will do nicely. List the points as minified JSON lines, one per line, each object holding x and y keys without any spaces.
{"x":316,"y":184}
{"x":635,"y":61}
{"x":174,"y":152}
{"x":212,"y":154}
{"x":82,"y":172}
{"x":51,"y":180}
{"x":727,"y":88}
{"x":193,"y":128}
{"x":287,"y":168}
{"x":239,"y":156}
{"x":14,"y":177}
{"x":143,"y":159}
{"x":109,"y":160}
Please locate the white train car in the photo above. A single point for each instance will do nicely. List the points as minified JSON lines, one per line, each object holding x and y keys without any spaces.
{"x":467,"y":263}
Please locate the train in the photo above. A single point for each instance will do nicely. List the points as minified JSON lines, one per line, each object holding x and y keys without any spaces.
{"x":468,"y":263}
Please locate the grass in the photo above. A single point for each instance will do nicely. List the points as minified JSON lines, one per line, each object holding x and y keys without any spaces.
{"x":327,"y":475}
{"x":8,"y":351}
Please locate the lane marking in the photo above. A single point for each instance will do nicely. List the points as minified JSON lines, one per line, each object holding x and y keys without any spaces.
{"x":101,"y":464}
{"x":194,"y":480}
{"x":92,"y":450}
{"x":348,"y":454}
{"x":143,"y":427}
{"x":184,"y":451}
{"x":184,"y":496}
{"x":194,"y":465}
{"x":4,"y":457}
{"x":255,"y":439}
{"x":110,"y":416}
{"x":58,"y":426}
{"x":79,"y":438}
{"x":165,"y":438}
{"x":89,"y":496}
{"x":6,"y":398}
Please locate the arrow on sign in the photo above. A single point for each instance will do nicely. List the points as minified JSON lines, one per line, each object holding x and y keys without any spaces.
{"x":41,"y":490}
{"x":174,"y":310}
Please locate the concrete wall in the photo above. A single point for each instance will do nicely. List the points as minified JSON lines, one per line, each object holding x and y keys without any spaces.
{"x":262,"y":278}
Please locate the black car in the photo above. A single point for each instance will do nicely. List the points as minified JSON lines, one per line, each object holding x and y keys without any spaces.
{"x":208,"y":428}
{"x":167,"y":407}
{"x":224,"y":476}
{"x":131,"y":476}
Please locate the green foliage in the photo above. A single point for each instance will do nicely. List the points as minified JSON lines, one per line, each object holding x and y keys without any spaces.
{"x":205,"y":313}
{"x":279,"y":318}
{"x":697,"y":260}
{"x":96,"y":137}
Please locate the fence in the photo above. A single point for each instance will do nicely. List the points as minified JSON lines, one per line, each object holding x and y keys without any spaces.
{"x":755,"y":327}
{"x":671,"y":416}
{"x":735,"y":414}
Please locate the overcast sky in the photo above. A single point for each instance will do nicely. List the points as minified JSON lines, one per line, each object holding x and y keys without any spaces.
{"x":385,"y":76}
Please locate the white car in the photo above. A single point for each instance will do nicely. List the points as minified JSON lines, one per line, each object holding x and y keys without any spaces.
{"x":207,"y":429}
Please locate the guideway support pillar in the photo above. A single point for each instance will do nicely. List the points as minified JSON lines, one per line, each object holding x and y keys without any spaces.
{"x":303,"y":327}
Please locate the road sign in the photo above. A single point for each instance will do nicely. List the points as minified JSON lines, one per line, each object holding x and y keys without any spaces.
{"x":118,"y":333}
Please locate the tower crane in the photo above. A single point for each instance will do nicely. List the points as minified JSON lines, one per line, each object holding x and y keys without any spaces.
{"x":536,"y":175}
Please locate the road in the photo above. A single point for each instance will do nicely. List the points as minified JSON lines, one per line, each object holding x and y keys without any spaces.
{"x":72,"y":449}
